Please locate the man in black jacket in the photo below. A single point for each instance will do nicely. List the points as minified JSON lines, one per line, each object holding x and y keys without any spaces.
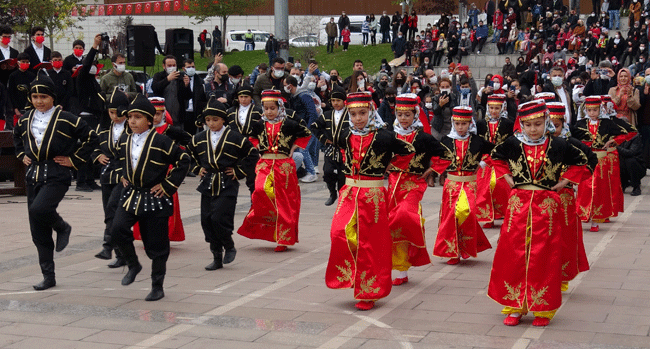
{"x":191,"y":96}
{"x":395,"y":23}
{"x":384,"y":28}
{"x":632,"y":169}
{"x":167,"y":83}
{"x":399,"y":45}
{"x":271,"y":48}
{"x":344,"y":21}
{"x":602,"y":79}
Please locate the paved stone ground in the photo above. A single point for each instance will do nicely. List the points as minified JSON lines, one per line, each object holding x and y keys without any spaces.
{"x":279,"y":300}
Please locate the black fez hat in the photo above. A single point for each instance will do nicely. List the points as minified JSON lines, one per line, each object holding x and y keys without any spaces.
{"x":214,"y":108}
{"x":118,"y":100}
{"x":245,"y":91}
{"x":43,"y":84}
{"x":338,"y":93}
{"x":142,"y":105}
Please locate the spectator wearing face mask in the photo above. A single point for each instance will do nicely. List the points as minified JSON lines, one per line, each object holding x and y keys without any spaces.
{"x":602,"y":79}
{"x":464,"y":47}
{"x":118,"y":77}
{"x":466,"y":86}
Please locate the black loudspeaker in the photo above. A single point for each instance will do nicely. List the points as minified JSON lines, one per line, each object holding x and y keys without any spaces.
{"x":140,"y":44}
{"x":180,"y":44}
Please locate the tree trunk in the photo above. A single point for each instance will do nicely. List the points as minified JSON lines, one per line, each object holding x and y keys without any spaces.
{"x":50,"y":34}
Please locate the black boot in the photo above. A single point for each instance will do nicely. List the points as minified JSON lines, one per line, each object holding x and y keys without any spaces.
{"x":106,"y":253}
{"x":63,"y":230}
{"x":119,"y":260}
{"x":636,"y":191}
{"x":47,"y":268}
{"x":217,"y":262}
{"x":158,"y":271}
{"x":229,"y":256}
{"x":131,"y":259}
{"x":332,"y":199}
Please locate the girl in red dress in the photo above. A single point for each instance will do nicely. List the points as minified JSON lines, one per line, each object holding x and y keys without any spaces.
{"x":459,"y":233}
{"x":527,"y":271}
{"x":406,"y":186}
{"x":275,"y":208}
{"x":360,"y":255}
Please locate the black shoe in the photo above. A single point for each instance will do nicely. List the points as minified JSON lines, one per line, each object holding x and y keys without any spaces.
{"x":95,"y":186}
{"x":105,"y":254}
{"x":229,"y":256}
{"x":191,"y":174}
{"x":214,"y":265}
{"x":155,"y":294}
{"x":63,"y":236}
{"x":636,"y":191}
{"x":45,"y":284}
{"x":331,"y":200}
{"x":118,"y":262}
{"x":84,"y":187}
{"x":131,"y":274}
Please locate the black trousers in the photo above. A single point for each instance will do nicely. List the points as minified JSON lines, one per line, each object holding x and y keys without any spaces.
{"x":42,"y":202}
{"x":110,"y":199}
{"x":154,"y":231}
{"x":86,"y":172}
{"x":632,"y":170}
{"x":218,"y":221}
{"x":333,"y":174}
{"x":330,"y":43}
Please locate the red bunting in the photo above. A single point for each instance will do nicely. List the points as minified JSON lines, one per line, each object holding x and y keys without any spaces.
{"x":177,"y":5}
{"x":156,"y":6}
{"x":74,"y":11}
{"x":109,"y":10}
{"x":129,"y":8}
{"x":147,"y":8}
{"x":138,"y":8}
{"x":119,"y":9}
{"x":100,"y":10}
{"x":167,"y":6}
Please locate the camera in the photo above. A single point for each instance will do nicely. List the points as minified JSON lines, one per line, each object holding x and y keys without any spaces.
{"x":105,"y":36}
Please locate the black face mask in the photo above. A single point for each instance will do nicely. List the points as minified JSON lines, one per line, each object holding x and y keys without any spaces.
{"x":391,"y":100}
{"x":400,"y":81}
{"x":383,"y":83}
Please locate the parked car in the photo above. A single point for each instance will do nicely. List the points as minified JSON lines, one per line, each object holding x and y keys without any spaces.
{"x":235,"y":40}
{"x":309,"y":40}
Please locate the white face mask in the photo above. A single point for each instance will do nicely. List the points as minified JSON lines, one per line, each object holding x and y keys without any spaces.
{"x":557,"y":81}
{"x":120,"y":68}
{"x":311,"y":85}
{"x":278,"y":73}
{"x":433,"y":80}
{"x":170,"y":70}
{"x":287,"y":89}
{"x":190,"y":71}
{"x":235,"y":81}
{"x":428,"y":105}
{"x":497,"y":85}
{"x":445,"y":90}
{"x":93,"y":70}
{"x":323,"y":88}
{"x":361,"y":82}
{"x":296,"y":76}
{"x":647,"y":79}
{"x":534,"y":61}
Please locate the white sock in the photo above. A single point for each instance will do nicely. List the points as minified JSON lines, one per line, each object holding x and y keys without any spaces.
{"x":594,"y":224}
{"x":514,"y":314}
{"x":402,"y":274}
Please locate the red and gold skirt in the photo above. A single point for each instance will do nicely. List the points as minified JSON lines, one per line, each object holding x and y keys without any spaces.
{"x":574,"y":257}
{"x":459,"y":233}
{"x":360,"y":255}
{"x":596,"y":195}
{"x":527,"y":267}
{"x":275,"y":208}
{"x":405,"y":220}
{"x":491,"y":195}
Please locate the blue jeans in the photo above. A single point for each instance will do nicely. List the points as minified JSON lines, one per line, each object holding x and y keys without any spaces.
{"x":313,"y":147}
{"x":365,"y":38}
{"x":497,"y":34}
{"x":614,"y":19}
{"x":309,"y":165}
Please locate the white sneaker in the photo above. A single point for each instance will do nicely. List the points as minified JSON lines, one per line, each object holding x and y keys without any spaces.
{"x":316,"y":171}
{"x":309,"y":178}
